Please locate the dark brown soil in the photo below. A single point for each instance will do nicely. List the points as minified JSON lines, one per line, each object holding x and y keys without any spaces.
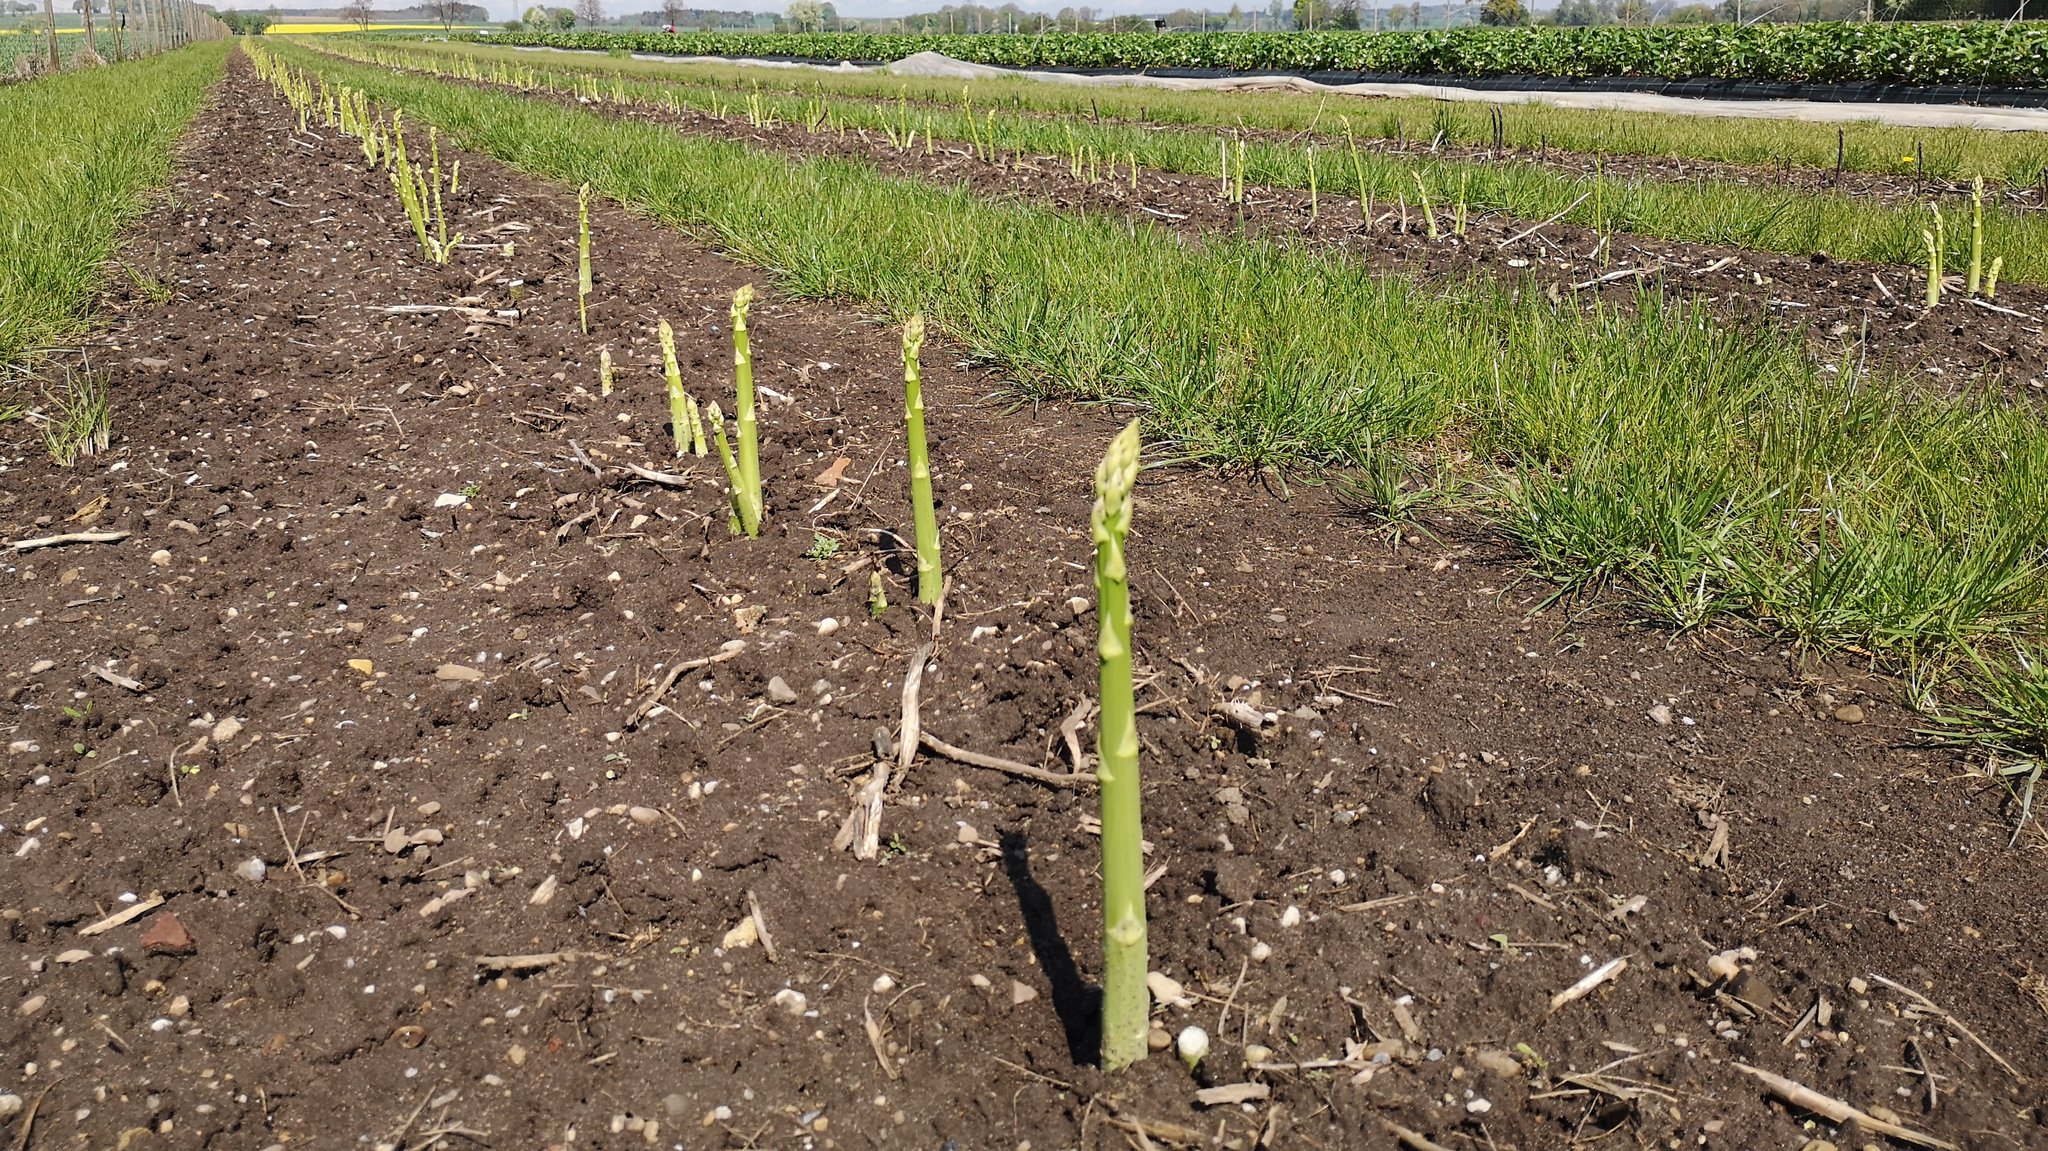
{"x":1847,"y":310}
{"x":1460,"y":807}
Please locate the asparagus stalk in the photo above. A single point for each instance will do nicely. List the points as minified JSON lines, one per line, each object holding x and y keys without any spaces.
{"x":1933,"y":268}
{"x":1428,"y":212}
{"x":927,"y":519}
{"x":698,"y":446}
{"x":732,"y":467}
{"x":1976,"y":235}
{"x":679,"y":402}
{"x":1991,"y":280}
{"x":743,"y":414}
{"x":1125,"y":1001}
{"x":604,"y":371}
{"x":1312,"y":182}
{"x":583,"y":256}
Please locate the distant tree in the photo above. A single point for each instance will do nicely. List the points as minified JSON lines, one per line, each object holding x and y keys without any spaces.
{"x":447,"y":12}
{"x":359,"y":14}
{"x":537,"y":18}
{"x":672,"y":13}
{"x":805,"y":15}
{"x":590,"y":13}
{"x":828,"y":18}
{"x":1503,"y":13}
{"x":565,"y":18}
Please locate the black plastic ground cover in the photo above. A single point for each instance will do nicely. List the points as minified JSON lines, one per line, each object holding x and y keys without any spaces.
{"x":1695,"y":89}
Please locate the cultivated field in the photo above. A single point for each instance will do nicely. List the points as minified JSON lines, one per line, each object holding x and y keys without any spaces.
{"x":578,"y":602}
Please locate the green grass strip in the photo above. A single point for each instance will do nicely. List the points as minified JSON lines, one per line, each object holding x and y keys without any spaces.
{"x":77,"y":153}
{"x":1704,"y":211}
{"x":1713,"y":472}
{"x":2018,"y":158}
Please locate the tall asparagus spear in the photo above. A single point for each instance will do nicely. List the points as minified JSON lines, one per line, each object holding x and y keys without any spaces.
{"x":743,"y":414}
{"x":927,"y":519}
{"x":1125,"y":1000}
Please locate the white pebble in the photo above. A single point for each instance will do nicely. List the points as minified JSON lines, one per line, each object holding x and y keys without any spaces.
{"x":883,"y":984}
{"x":1261,"y":951}
{"x":253,"y":870}
{"x":827,"y":626}
{"x":1479,"y":1106}
{"x":1291,"y":917}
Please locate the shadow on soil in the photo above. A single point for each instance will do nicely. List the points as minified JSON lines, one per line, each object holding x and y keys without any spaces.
{"x":1077,"y":1002}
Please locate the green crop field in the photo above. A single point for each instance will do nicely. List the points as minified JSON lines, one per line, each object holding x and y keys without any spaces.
{"x":2018,"y":158}
{"x":1719,"y":210}
{"x":1988,"y":52}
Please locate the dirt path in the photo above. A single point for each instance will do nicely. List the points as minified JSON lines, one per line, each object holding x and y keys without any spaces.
{"x":415,"y":716}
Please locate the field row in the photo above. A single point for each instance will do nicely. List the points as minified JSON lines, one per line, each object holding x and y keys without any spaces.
{"x":1697,"y":210}
{"x":1712,"y":472}
{"x":1887,"y":154}
{"x":80,"y":150}
{"x":483,"y":787}
{"x":1992,"y":53}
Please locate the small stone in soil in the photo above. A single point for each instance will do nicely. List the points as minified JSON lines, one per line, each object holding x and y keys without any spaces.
{"x":167,"y":936}
{"x":780,"y":692}
{"x":1849,"y":713}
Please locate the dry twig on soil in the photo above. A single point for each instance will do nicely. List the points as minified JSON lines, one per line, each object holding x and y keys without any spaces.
{"x":68,"y":538}
{"x":1837,"y":1111}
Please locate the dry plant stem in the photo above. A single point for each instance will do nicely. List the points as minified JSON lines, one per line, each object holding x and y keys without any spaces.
{"x":731,"y":648}
{"x":1837,"y":1111}
{"x":760,"y":925}
{"x":925,"y":517}
{"x":874,"y":1033}
{"x":68,"y":538}
{"x":132,"y":911}
{"x":1007,"y":766}
{"x":908,"y":735}
{"x":507,"y":964}
{"x":1593,"y":979}
{"x":1126,"y":1002}
{"x":1929,"y":1006}
{"x":1413,"y":1140}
